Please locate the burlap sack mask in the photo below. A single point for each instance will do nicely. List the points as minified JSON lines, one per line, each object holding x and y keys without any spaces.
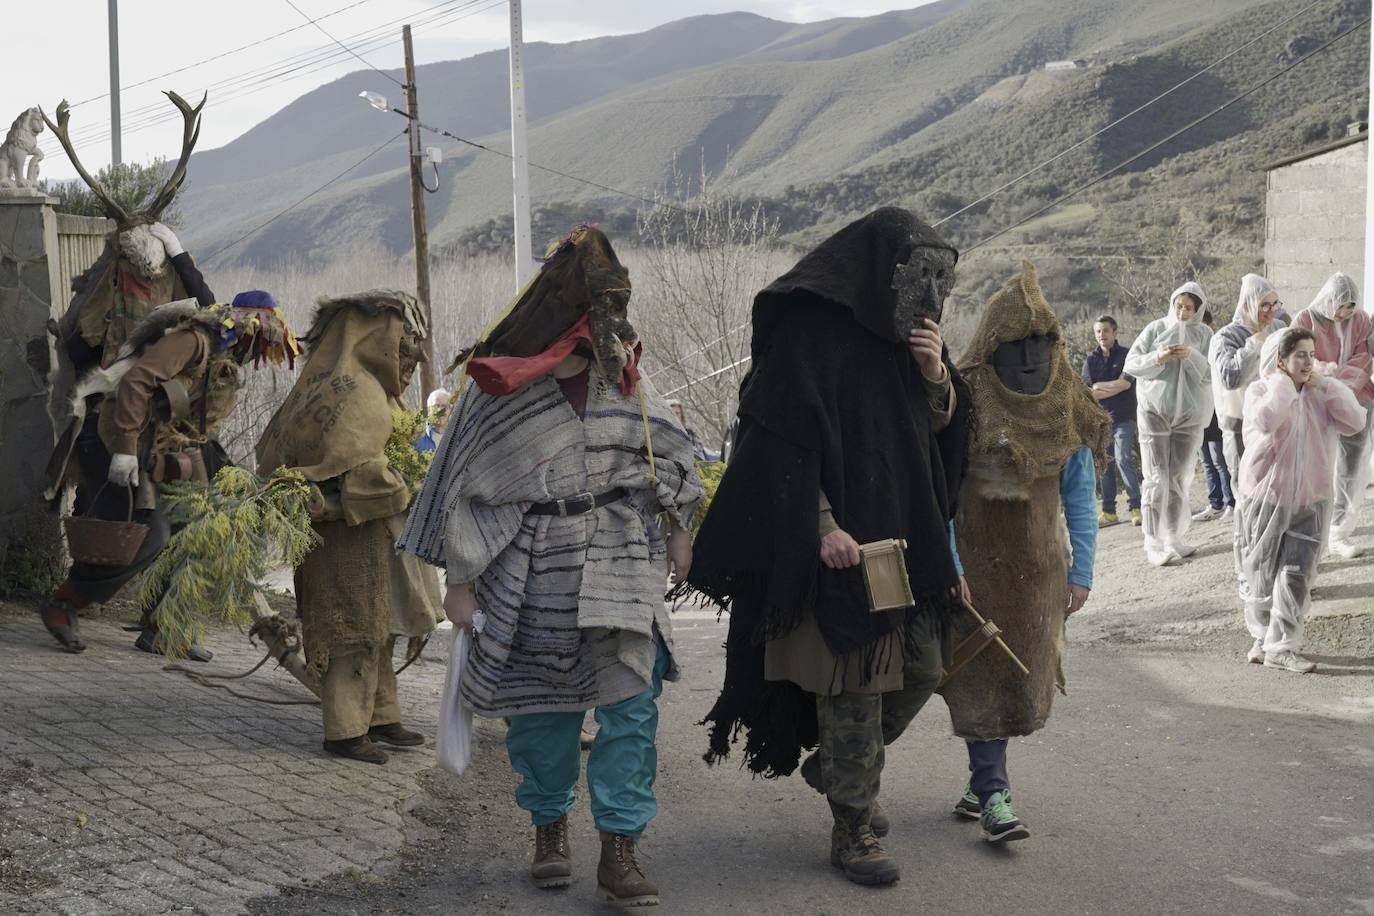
{"x":1028,"y":436}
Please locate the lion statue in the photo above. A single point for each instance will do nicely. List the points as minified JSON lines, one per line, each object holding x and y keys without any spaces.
{"x":21,"y":143}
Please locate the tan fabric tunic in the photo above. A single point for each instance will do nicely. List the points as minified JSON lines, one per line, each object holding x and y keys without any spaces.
{"x":802,"y":657}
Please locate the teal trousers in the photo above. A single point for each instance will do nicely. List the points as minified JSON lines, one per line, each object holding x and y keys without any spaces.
{"x":621,"y":767}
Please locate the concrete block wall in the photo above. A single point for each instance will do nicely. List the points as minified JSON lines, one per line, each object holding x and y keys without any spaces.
{"x":1314,"y":223}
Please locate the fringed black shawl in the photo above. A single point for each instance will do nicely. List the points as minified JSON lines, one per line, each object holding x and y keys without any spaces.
{"x":831,"y":405}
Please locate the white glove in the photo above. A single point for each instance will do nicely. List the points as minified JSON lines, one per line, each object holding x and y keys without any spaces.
{"x":168,"y":238}
{"x":123,"y":470}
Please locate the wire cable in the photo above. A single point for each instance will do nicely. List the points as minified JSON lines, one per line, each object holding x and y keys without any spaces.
{"x":1103,"y":176}
{"x":326,"y":34}
{"x":1048,"y":162}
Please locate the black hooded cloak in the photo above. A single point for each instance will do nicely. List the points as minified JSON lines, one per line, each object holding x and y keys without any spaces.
{"x":834,"y":403}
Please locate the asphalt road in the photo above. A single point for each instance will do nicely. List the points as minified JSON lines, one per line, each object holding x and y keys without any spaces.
{"x":1172,"y":779}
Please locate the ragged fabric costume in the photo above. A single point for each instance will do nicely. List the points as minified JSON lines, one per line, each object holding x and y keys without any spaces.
{"x":1039,"y":442}
{"x":354,"y":592}
{"x":550,"y":498}
{"x":161,"y":400}
{"x":838,"y":429}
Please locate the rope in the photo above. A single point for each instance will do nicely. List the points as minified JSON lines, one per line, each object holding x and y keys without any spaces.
{"x":212,"y":680}
{"x":648,"y":436}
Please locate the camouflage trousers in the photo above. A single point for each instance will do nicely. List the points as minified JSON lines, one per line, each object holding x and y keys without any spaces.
{"x":856,"y":727}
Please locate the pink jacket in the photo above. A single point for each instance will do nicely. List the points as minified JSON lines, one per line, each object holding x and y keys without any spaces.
{"x":1342,"y":349}
{"x":1290,"y":439}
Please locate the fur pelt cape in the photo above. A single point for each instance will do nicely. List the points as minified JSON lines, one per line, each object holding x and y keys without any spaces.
{"x":834,"y":403}
{"x":1012,"y":538}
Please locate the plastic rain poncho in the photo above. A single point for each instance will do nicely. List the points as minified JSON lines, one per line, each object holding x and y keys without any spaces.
{"x":1284,"y":496}
{"x":1234,"y":359}
{"x":1174,"y":406}
{"x":1343,"y":354}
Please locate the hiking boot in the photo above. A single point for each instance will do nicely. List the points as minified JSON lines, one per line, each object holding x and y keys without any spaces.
{"x":811,"y":772}
{"x":1343,"y":548}
{"x":1136,"y":518}
{"x":1289,"y":660}
{"x":1256,"y":654}
{"x":858,"y":852}
{"x":1211,"y":513}
{"x":60,"y":618}
{"x":1106,"y":519}
{"x":620,"y":881}
{"x":967,"y":806}
{"x":1000,"y":823}
{"x":359,"y":748}
{"x":552,"y":865}
{"x":396,"y":735}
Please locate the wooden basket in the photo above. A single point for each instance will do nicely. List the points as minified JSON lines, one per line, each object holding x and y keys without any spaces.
{"x":100,"y":542}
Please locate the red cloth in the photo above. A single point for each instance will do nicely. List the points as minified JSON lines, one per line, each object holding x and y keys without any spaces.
{"x":502,"y":375}
{"x":575,"y":390}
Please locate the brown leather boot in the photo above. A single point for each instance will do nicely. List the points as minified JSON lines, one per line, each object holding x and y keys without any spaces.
{"x":359,"y":748}
{"x":552,"y":865}
{"x":858,"y":852}
{"x":396,"y":734}
{"x":619,"y":878}
{"x":60,"y":617}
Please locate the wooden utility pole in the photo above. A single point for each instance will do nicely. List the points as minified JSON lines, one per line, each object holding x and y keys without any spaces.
{"x":519,"y":148}
{"x":417,"y":217}
{"x":116,"y":154}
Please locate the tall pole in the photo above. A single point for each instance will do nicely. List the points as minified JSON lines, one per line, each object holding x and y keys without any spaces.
{"x":1368,"y":289}
{"x":520,"y":158}
{"x":419,"y":224}
{"x":115,"y":152}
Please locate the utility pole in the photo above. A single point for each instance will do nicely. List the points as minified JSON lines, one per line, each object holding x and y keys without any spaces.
{"x":519,"y":148}
{"x":417,"y":215}
{"x":115,"y":152}
{"x":1368,"y":277}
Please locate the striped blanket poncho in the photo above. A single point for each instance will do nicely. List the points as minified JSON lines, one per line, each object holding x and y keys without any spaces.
{"x":574,"y":606}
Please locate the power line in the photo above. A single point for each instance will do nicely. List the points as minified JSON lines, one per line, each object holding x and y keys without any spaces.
{"x":1103,"y":176}
{"x":336,"y":41}
{"x":267,"y":222}
{"x":1048,"y":162}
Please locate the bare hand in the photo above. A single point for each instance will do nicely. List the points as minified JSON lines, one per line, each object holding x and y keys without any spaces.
{"x":839,"y":550}
{"x":927,"y":348}
{"x":1078,"y":596}
{"x":460,"y":605}
{"x":679,"y":555}
{"x":961,"y":591}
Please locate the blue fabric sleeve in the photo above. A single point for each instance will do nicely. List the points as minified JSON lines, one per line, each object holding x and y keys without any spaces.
{"x":1078,"y":492}
{"x":954,"y":549}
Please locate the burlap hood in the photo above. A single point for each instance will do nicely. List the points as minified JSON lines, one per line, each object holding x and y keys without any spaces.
{"x":339,"y":415}
{"x":1028,"y":435}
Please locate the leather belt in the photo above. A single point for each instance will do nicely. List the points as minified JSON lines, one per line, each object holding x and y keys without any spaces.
{"x":580,"y":504}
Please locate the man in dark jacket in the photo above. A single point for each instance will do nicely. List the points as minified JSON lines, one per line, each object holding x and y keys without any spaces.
{"x":1114,"y":390}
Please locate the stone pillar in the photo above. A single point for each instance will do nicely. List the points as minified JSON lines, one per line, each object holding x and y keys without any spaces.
{"x":30,"y":545}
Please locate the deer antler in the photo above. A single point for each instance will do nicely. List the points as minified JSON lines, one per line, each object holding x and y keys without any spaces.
{"x":189,"y":135}
{"x":112,"y":209}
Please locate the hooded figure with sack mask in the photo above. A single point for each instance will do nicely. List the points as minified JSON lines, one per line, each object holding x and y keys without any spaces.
{"x":560,"y":492}
{"x":1293,"y":418}
{"x":354,"y":593}
{"x":1341,"y":331}
{"x":1234,"y":357}
{"x":853,"y":427}
{"x":1173,"y":407}
{"x":1026,"y":534}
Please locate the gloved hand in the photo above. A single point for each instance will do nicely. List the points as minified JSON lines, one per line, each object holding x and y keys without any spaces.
{"x":168,"y":238}
{"x":123,"y":470}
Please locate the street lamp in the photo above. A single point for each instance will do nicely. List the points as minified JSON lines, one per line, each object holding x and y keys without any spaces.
{"x":375,"y":99}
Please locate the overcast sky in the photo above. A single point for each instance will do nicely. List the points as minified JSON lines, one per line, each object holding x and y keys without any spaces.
{"x":66,"y":53}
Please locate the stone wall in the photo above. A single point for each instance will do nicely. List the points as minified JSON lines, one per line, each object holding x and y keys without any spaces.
{"x":28,"y":232}
{"x":1314,"y":222}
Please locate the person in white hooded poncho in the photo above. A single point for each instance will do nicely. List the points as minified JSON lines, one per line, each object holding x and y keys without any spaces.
{"x":1341,"y":332}
{"x":1293,"y":417}
{"x":1234,"y":355}
{"x":1174,"y":406}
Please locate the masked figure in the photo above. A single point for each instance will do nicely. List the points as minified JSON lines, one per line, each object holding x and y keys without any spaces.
{"x":1293,"y":419}
{"x":1234,"y":357}
{"x":355,"y":595}
{"x":561,"y":487}
{"x":853,"y":426}
{"x":1039,"y":442}
{"x":1173,"y":407}
{"x":177,"y":376}
{"x":1342,"y":335}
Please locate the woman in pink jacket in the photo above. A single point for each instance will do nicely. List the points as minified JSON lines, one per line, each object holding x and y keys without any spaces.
{"x":1342,"y":332}
{"x":1293,"y":416}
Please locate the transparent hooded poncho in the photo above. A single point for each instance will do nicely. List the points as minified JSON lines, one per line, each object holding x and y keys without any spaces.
{"x":1174,"y":406}
{"x":1284,"y":493}
{"x":1235,"y":367}
{"x":1342,"y":333}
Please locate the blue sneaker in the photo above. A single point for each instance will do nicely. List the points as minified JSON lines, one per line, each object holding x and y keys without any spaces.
{"x":1000,"y":823}
{"x":967,"y":806}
